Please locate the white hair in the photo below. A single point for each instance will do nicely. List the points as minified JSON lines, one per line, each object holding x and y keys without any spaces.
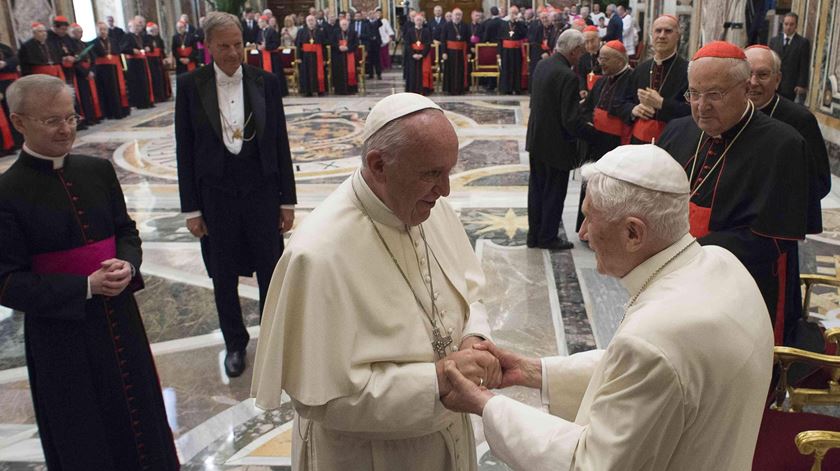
{"x":22,"y":90}
{"x":391,"y":138}
{"x":666,"y":214}
{"x":738,"y":69}
{"x":569,"y":40}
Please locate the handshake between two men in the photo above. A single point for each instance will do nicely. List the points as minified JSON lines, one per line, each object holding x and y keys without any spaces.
{"x":466,"y":376}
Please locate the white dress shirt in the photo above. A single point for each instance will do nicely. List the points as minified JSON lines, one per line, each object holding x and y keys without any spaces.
{"x":231,"y":96}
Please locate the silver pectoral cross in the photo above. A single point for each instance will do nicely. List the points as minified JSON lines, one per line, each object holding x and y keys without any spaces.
{"x":439,"y":342}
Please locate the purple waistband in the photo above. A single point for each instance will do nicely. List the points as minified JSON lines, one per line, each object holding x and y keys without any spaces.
{"x":82,"y":260}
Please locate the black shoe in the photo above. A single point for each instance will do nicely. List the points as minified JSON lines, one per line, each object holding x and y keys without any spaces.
{"x":557,"y":244}
{"x":235,"y":363}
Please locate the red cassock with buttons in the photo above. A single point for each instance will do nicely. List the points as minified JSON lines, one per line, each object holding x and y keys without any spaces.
{"x":95,"y":389}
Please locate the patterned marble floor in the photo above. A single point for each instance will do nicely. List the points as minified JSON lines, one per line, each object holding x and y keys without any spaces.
{"x":540,"y":303}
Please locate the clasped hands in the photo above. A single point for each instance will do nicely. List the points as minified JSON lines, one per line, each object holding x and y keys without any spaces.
{"x":111,"y":278}
{"x":469,"y":374}
{"x":649,"y":102}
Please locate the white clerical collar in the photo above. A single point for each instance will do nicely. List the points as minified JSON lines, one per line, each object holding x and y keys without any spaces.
{"x":374,"y":206}
{"x":659,"y":62}
{"x":224,"y":79}
{"x":58,"y":162}
{"x":637,"y":277}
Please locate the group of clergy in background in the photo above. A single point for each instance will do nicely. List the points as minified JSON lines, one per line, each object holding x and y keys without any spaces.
{"x":111,"y":74}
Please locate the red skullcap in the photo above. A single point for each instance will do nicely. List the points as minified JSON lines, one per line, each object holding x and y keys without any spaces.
{"x":617,"y":45}
{"x":150,"y":24}
{"x":75,"y":25}
{"x":61,"y":19}
{"x":264,"y":18}
{"x":720,"y":49}
{"x":590,"y":28}
{"x":579,"y":22}
{"x":36,"y":24}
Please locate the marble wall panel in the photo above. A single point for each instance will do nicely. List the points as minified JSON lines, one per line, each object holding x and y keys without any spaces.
{"x":24,"y":12}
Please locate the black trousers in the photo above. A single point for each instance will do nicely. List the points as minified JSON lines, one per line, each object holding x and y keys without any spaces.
{"x":372,"y":64}
{"x":244,"y":237}
{"x":547,"y":188}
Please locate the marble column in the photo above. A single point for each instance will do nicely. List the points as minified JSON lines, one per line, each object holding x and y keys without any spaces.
{"x":7,"y":35}
{"x":715,"y":13}
{"x":25,"y":12}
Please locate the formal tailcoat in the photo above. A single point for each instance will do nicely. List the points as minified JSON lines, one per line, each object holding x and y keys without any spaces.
{"x":250,"y":33}
{"x":206,"y":169}
{"x":796,"y":60}
{"x":752,"y":199}
{"x":95,"y":390}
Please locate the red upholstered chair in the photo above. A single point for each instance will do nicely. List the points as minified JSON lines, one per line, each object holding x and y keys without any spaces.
{"x":288,"y":59}
{"x":252,"y":56}
{"x":485,"y":62}
{"x":788,"y":434}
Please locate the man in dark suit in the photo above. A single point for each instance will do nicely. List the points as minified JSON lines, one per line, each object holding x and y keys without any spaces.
{"x":554,"y":125}
{"x":115,"y":33}
{"x":234,"y":173}
{"x":373,"y":41}
{"x":250,"y":28}
{"x":437,"y":22}
{"x":615,"y":27}
{"x":795,"y":52}
{"x":491,"y":27}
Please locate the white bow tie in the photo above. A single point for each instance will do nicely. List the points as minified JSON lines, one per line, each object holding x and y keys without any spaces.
{"x":226,"y":81}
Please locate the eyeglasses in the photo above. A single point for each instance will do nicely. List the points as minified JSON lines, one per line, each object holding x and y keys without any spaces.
{"x":713,"y":96}
{"x":57,"y":121}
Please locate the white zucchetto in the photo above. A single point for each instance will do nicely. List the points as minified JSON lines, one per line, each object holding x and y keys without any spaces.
{"x":644,"y":165}
{"x":393,"y":107}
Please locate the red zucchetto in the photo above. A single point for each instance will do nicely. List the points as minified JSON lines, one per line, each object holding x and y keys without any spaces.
{"x":590,"y":28}
{"x":617,"y":45}
{"x":721,"y":50}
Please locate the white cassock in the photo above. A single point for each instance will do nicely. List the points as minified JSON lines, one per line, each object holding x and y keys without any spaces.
{"x":681,"y":386}
{"x":343,"y":335}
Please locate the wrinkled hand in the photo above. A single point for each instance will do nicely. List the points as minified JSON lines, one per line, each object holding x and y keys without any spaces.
{"x":480,"y":367}
{"x":643,"y":111}
{"x":584,"y":94}
{"x":544,"y":55}
{"x":417,"y":57}
{"x":517,"y":370}
{"x":184,"y":60}
{"x":111,"y":278}
{"x":287,"y":220}
{"x":464,"y":395}
{"x":650,"y":98}
{"x":444,"y":56}
{"x":197,"y":227}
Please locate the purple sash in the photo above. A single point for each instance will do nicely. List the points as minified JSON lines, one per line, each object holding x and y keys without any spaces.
{"x":82,"y":260}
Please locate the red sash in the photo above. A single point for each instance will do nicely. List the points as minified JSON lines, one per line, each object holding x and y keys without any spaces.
{"x":153,"y":53}
{"x":544,"y":45}
{"x":610,"y":124}
{"x":591,"y":80}
{"x":427,"y":65}
{"x":698,"y":220}
{"x":6,"y":76}
{"x":350,"y":58}
{"x":6,"y":131}
{"x":81,"y":261}
{"x":266,"y":60}
{"x":319,"y":60}
{"x":523,"y":75}
{"x":148,"y":73}
{"x":461,"y":46}
{"x":55,"y":70}
{"x":646,"y":130}
{"x":113,"y":60}
{"x":184,"y":53}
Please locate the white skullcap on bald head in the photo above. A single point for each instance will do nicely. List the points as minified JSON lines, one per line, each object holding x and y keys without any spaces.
{"x":645,"y":165}
{"x":394,"y":107}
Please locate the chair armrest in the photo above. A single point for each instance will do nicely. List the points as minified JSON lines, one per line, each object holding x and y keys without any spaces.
{"x":817,"y":442}
{"x":788,"y":355}
{"x":833,"y":336}
{"x":809,"y":278}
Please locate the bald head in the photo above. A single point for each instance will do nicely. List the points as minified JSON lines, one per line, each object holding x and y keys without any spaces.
{"x":665,"y":36}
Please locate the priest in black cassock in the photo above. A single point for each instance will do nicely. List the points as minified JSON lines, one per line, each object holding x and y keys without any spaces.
{"x":748,"y":174}
{"x":603,"y":108}
{"x":156,"y":56}
{"x":184,"y":50}
{"x":235,"y":173}
{"x":310,"y":44}
{"x":588,"y":67}
{"x":454,"y":36}
{"x":88,"y":98}
{"x":139,"y":77}
{"x":511,"y":35}
{"x":70,"y":262}
{"x":417,"y":52}
{"x":9,"y":137}
{"x":109,"y":76}
{"x":539,"y":38}
{"x":659,"y":83}
{"x":766,"y":75}
{"x":344,"y":66}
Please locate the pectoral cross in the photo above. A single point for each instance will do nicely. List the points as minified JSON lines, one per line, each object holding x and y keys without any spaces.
{"x":439,"y":342}
{"x":510,"y":33}
{"x":237,"y":134}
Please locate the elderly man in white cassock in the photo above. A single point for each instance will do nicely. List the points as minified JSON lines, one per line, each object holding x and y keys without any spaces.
{"x":378,"y":286}
{"x":682,"y":384}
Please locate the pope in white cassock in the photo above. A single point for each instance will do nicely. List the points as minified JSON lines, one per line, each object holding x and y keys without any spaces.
{"x":376,"y":288}
{"x":683,"y":382}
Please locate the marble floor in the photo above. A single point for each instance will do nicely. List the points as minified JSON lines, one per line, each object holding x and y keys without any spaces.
{"x":540,"y":303}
